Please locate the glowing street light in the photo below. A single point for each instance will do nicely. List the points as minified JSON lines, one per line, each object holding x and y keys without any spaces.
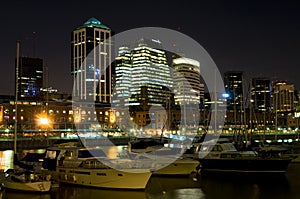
{"x":44,"y":121}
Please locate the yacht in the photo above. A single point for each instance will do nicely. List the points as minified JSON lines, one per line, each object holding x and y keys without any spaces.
{"x":222,"y":156}
{"x":91,"y":167}
{"x":160,"y":158}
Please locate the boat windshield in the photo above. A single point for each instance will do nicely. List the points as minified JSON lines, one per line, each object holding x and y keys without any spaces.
{"x":228,"y":147}
{"x":91,"y":153}
{"x":218,"y":147}
{"x":51,"y":154}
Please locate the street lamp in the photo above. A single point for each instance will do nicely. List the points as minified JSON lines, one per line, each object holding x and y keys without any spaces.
{"x":44,"y":122}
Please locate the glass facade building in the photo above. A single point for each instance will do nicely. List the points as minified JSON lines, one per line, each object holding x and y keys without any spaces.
{"x":151,"y":82}
{"x":91,"y":61}
{"x":283,"y":96}
{"x":261,"y":94}
{"x":234,"y":87}
{"x":121,"y":93}
{"x":30,"y":76}
{"x":143,"y":77}
{"x":187,"y":86}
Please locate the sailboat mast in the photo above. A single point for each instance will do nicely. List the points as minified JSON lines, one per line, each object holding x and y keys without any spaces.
{"x":216,"y":101}
{"x":16,"y":96}
{"x":244,"y":110}
{"x":250,"y":111}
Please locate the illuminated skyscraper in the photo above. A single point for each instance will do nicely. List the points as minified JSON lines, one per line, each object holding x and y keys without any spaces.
{"x":283,"y":97}
{"x":123,"y":77}
{"x":143,"y":81}
{"x":92,"y":77}
{"x":151,"y":83}
{"x":187,"y":86}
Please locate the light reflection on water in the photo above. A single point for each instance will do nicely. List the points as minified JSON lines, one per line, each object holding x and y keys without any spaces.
{"x":6,"y":159}
{"x":208,"y":187}
{"x":158,"y":187}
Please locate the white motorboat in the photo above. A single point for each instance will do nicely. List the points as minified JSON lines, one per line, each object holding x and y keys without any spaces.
{"x":24,"y":183}
{"x":90,"y":167}
{"x":222,"y":156}
{"x":162,"y":160}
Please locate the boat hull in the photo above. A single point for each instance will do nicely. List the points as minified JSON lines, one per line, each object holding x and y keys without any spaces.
{"x":178,"y":168}
{"x":43,"y":186}
{"x":245,"y":165}
{"x":105,"y":178}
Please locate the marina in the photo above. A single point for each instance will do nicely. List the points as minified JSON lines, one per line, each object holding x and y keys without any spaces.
{"x":278,"y":187}
{"x":82,"y":167}
{"x":121,"y":100}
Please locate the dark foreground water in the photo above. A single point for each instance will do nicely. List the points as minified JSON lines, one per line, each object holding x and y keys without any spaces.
{"x":285,"y":186}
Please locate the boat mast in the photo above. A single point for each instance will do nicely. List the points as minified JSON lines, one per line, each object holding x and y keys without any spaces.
{"x":47,"y":100}
{"x":276,"y":119}
{"x":216,"y":101}
{"x":265,"y":107}
{"x":245,"y":132}
{"x":16,"y":96}
{"x":250,"y":111}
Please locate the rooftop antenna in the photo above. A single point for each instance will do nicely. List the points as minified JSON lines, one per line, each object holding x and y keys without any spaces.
{"x":30,"y":45}
{"x":34,"y":43}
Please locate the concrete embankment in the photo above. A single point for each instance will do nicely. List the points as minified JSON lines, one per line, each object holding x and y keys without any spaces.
{"x":40,"y":143}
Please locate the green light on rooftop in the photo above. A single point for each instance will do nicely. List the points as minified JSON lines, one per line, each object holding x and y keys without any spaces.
{"x":92,"y":21}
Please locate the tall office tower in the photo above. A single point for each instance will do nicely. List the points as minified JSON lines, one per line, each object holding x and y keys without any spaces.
{"x":151,"y":83}
{"x":283,"y":96}
{"x":92,"y":72}
{"x":234,"y":87}
{"x":261,"y":94}
{"x":30,"y":76}
{"x":187,"y":86}
{"x":121,"y":93}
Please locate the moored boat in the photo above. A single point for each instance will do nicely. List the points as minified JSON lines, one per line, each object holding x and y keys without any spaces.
{"x":25,"y":183}
{"x":90,"y":167}
{"x":160,"y":158}
{"x":222,"y":156}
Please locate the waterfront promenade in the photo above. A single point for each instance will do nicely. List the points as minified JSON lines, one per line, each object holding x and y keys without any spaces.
{"x":34,"y":142}
{"x":42,"y":142}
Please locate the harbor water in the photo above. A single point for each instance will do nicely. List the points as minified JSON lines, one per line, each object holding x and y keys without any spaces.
{"x":286,"y":186}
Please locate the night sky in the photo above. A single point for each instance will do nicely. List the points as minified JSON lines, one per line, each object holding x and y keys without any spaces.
{"x":261,"y":38}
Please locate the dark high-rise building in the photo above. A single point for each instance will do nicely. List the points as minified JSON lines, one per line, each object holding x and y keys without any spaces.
{"x":261,"y":94}
{"x":30,"y":77}
{"x":234,"y":88}
{"x":92,"y":73}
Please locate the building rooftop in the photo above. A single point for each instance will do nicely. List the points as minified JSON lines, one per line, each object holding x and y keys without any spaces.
{"x":93,"y":23}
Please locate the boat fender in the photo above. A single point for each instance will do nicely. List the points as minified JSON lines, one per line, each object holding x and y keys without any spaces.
{"x":66,"y":177}
{"x":74,"y":179}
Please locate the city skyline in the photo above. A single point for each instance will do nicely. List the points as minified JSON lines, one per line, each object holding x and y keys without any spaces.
{"x":259,"y":38}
